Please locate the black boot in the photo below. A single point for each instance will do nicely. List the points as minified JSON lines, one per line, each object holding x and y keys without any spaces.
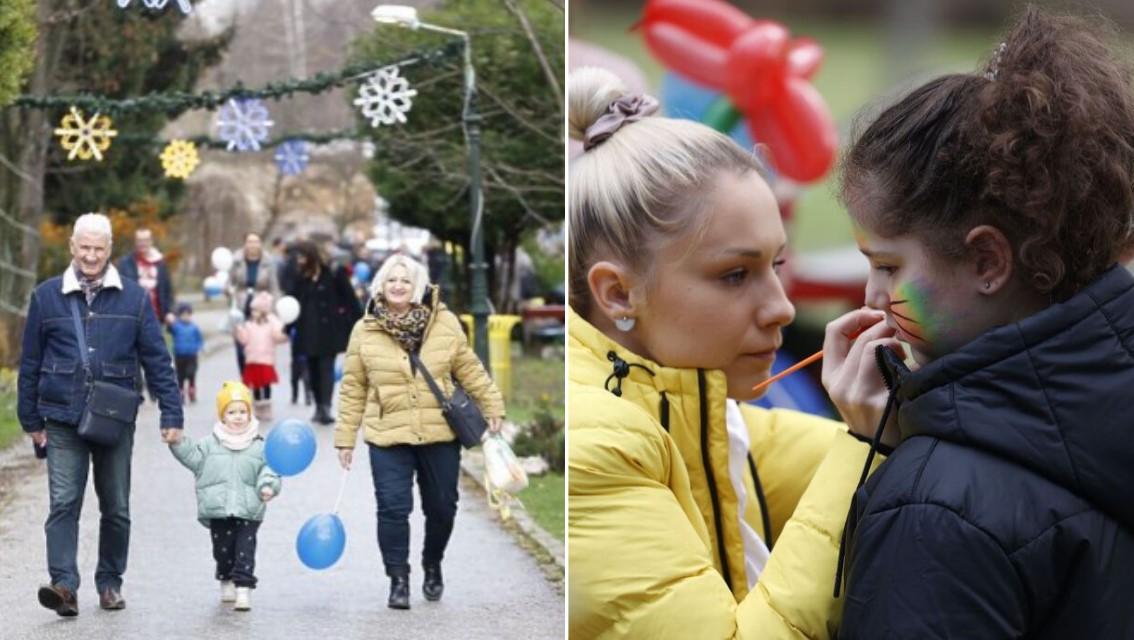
{"x":433,"y":585}
{"x":321,"y":415}
{"x":399,"y":592}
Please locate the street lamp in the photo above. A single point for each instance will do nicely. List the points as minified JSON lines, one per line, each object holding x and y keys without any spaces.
{"x":407,"y":17}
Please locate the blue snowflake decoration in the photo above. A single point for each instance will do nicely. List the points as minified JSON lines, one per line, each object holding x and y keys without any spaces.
{"x":244,"y":124}
{"x":292,"y":157}
{"x":158,"y":5}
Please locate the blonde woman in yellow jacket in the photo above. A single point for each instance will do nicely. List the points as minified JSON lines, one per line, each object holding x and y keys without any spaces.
{"x":690,"y":515}
{"x":403,"y":427}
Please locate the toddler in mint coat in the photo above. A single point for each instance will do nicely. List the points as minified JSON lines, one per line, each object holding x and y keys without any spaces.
{"x":233,"y":485}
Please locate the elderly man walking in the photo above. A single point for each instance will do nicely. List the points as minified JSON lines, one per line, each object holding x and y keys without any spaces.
{"x":120,"y":331}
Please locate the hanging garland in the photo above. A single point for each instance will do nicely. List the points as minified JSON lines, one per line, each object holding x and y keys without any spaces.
{"x":176,"y":103}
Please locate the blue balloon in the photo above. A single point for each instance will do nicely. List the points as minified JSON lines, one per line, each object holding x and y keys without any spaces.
{"x":212,"y":290}
{"x":684,"y":99}
{"x":321,"y":541}
{"x":290,"y":447}
{"x":362,"y":272}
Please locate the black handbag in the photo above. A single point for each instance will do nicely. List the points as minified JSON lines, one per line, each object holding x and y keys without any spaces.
{"x":460,"y":411}
{"x":110,"y":409}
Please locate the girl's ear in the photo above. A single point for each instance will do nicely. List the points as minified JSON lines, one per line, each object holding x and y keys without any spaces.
{"x":992,"y":258}
{"x":610,"y":285}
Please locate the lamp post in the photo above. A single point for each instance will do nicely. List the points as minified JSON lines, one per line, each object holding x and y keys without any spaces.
{"x":406,"y":16}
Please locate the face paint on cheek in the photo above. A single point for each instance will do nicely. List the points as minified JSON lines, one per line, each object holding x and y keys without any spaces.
{"x":912,"y":311}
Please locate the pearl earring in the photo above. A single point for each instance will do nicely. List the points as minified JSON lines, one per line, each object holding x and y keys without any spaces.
{"x":624,"y":323}
{"x":987,"y":285}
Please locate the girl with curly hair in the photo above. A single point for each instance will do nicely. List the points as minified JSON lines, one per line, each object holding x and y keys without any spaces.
{"x":993,"y":208}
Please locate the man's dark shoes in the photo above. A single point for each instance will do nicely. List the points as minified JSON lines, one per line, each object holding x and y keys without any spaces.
{"x":433,"y":585}
{"x":399,"y":592}
{"x":110,"y":599}
{"x":59,"y":599}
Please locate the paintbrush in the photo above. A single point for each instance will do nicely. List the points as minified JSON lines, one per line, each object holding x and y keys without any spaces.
{"x":815,"y":357}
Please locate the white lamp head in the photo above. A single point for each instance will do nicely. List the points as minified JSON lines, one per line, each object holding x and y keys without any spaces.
{"x":396,"y":14}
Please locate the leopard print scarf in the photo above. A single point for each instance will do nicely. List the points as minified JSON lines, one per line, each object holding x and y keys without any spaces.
{"x":408,"y":328}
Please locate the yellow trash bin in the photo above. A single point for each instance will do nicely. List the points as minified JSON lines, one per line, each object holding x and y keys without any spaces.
{"x":500,"y":351}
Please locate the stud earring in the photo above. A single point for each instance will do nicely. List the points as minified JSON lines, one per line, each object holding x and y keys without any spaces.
{"x":624,"y":323}
{"x":987,"y":285}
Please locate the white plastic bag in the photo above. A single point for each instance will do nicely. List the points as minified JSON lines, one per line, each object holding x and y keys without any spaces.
{"x":503,"y":470}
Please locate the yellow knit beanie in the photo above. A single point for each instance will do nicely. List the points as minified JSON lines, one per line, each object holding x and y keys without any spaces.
{"x":232,"y":392}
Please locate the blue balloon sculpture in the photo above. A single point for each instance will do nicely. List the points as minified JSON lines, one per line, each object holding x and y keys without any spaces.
{"x":362,"y":272}
{"x":321,"y":541}
{"x":290,"y":447}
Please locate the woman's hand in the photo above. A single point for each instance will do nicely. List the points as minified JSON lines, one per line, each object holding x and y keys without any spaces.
{"x":266,"y":494}
{"x":851,"y":375}
{"x":495,"y":425}
{"x":345,"y":458}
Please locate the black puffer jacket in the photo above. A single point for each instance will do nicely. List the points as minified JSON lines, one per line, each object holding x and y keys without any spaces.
{"x":1008,"y":509}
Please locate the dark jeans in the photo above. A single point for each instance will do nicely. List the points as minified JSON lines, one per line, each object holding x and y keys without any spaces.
{"x":262,"y":393}
{"x":68,"y":459}
{"x":234,"y":549}
{"x":437,"y":467}
{"x":322,"y":372}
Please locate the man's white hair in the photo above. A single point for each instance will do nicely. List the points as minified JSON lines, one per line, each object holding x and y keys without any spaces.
{"x":418,"y":275}
{"x":93,"y":223}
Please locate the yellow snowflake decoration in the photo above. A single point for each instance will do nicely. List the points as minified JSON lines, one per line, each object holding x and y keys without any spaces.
{"x":85,"y":139}
{"x":179,"y":159}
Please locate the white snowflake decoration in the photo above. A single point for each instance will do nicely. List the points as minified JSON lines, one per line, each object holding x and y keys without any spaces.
{"x":244,"y":124}
{"x":386,"y":97}
{"x":185,"y":5}
{"x":292,"y":157}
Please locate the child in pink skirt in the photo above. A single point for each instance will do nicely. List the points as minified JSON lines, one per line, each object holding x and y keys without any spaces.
{"x":259,"y":337}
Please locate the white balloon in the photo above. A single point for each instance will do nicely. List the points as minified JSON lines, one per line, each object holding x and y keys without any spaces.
{"x":287,"y":308}
{"x":222,"y":278}
{"x":211,"y":283}
{"x":222,"y":259}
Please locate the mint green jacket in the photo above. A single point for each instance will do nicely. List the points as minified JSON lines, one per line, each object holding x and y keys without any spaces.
{"x":228,"y":482}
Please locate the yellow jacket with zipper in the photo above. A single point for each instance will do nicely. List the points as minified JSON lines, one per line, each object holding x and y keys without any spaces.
{"x":394,"y":405}
{"x":655,"y":547}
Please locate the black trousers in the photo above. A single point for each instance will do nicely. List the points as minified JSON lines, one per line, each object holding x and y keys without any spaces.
{"x":322,"y":371}
{"x":186,"y":370}
{"x":234,"y":549}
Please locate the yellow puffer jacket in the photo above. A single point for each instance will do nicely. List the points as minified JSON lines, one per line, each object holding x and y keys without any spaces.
{"x":394,"y":406}
{"x":651,"y":532}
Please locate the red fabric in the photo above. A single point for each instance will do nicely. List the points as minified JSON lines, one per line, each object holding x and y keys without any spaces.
{"x":259,"y":375}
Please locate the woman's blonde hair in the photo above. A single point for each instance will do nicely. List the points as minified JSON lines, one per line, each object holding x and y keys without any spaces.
{"x":645,"y":181}
{"x":418,"y":275}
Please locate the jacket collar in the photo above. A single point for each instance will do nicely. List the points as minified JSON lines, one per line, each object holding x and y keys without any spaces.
{"x":644,"y":380}
{"x":71,"y":281}
{"x":1050,"y":393}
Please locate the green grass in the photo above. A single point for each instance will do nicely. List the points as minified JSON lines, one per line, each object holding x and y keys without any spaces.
{"x":543,"y":499}
{"x":10,"y":430}
{"x":859,"y":71}
{"x":535,"y":381}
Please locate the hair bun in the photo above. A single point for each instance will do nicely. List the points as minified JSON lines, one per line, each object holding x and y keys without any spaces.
{"x":590,"y":92}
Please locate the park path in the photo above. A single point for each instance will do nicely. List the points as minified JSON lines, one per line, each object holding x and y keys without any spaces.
{"x":494,"y":589}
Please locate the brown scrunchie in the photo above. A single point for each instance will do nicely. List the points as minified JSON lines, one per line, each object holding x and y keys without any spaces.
{"x":629,"y":108}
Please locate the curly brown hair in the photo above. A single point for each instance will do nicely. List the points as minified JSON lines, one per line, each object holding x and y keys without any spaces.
{"x":1040,"y":144}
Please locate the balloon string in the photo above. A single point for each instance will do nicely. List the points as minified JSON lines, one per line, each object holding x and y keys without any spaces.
{"x":342,"y":487}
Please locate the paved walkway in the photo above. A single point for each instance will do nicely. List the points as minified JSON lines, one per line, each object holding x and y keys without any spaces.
{"x":494,"y":589}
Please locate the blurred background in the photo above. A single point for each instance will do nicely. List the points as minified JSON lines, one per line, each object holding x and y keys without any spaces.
{"x":872,"y":51}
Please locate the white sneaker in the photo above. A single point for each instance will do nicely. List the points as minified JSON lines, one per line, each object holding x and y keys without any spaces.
{"x":227,"y":591}
{"x":243,"y":599}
